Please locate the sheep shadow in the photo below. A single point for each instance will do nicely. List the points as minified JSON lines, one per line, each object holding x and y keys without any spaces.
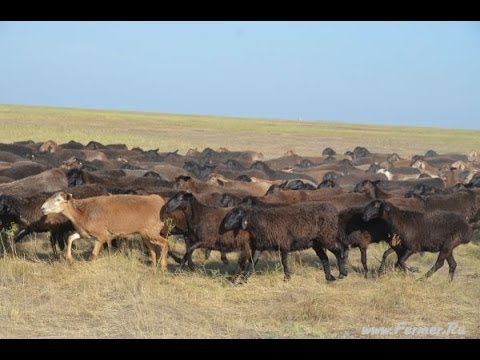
{"x":268,"y":262}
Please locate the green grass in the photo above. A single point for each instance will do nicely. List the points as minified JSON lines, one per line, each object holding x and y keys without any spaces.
{"x":169,"y":132}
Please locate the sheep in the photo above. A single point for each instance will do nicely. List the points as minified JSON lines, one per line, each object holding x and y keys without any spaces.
{"x":47,"y":181}
{"x":49,"y":146}
{"x":25,"y":211}
{"x":72,"y":145}
{"x":22,"y":169}
{"x":22,"y":151}
{"x":357,"y":233}
{"x":437,"y":231}
{"x":328,"y":151}
{"x":210,"y":199}
{"x":78,"y":177}
{"x":290,"y":228}
{"x":328,"y":184}
{"x":203,"y":224}
{"x":6,"y":156}
{"x":395,"y":177}
{"x":252,"y":187}
{"x":425,"y":168}
{"x":107,"y":217}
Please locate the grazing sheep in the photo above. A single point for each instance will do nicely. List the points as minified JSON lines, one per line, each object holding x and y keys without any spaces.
{"x":437,"y":231}
{"x":107,"y":217}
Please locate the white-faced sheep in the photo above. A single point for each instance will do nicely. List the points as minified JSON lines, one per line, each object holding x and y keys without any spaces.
{"x":107,"y":217}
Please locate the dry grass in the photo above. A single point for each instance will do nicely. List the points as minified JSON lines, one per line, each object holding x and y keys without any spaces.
{"x":119,"y":296}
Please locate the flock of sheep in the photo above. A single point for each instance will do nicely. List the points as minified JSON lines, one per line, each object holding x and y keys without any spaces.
{"x":235,"y":201}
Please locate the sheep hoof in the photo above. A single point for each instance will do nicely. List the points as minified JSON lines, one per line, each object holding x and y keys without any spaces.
{"x":412,"y":269}
{"x":331,"y":278}
{"x":286,"y":278}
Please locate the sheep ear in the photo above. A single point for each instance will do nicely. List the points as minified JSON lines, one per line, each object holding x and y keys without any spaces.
{"x":68,"y":197}
{"x":244,"y":224}
{"x":187,"y":195}
{"x":220,"y":182}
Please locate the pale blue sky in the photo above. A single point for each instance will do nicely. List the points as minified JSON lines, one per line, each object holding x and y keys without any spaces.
{"x":405,"y":73}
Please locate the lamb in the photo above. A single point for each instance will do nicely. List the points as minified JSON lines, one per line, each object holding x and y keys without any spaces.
{"x":437,"y":231}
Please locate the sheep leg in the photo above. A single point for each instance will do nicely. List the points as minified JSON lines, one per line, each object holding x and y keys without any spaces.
{"x":326,"y":264}
{"x":20,"y":235}
{"x":284,"y":258}
{"x":177,"y":259}
{"x":61,"y":239}
{"x":256,"y":256}
{"x":340,"y":256}
{"x":247,"y":273}
{"x":53,"y":244}
{"x":223,"y":257}
{"x":188,"y":256}
{"x":152,"y":252}
{"x":401,"y":260}
{"x":242,"y":263}
{"x":452,"y":265}
{"x":207,"y":253}
{"x":70,"y":239}
{"x":108,"y":246}
{"x":163,"y":257}
{"x":363,"y":257}
{"x":151,"y":241}
{"x":96,"y":249}
{"x":438,"y":264}
{"x":387,"y":252}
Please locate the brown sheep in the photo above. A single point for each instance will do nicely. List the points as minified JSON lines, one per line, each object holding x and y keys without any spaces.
{"x":47,"y":181}
{"x":107,"y":217}
{"x":49,"y":146}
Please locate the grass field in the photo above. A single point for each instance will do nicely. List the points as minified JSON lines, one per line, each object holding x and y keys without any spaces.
{"x":169,"y":132}
{"x":119,"y":296}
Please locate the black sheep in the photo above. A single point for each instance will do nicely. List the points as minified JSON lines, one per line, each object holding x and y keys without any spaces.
{"x":290,"y":228}
{"x":358,"y":233}
{"x":437,"y":231}
{"x":203,"y":222}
